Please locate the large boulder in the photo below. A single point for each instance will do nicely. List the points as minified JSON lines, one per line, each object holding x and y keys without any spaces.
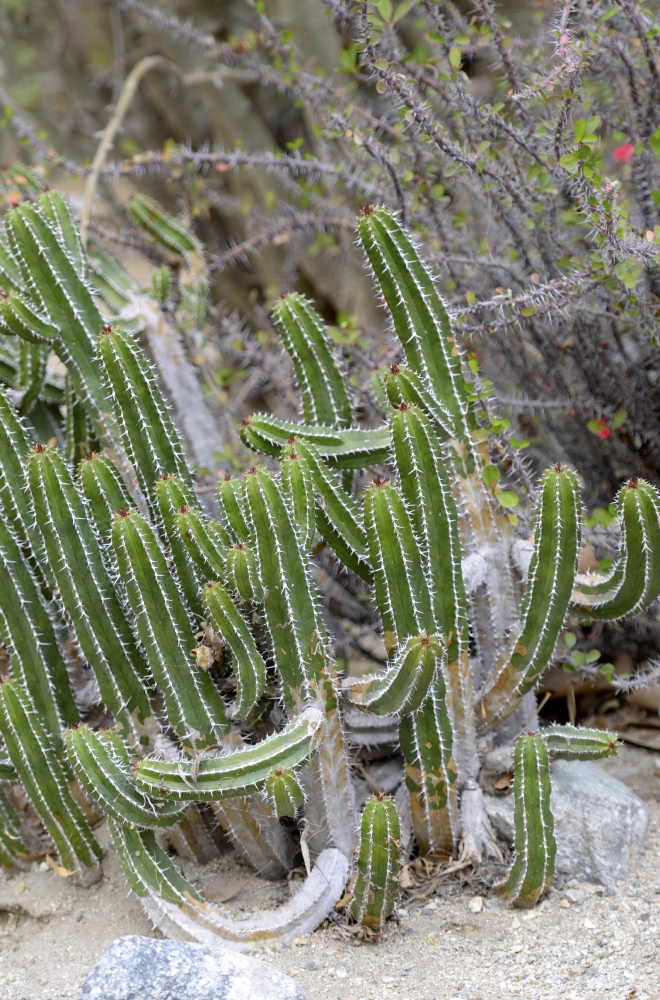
{"x":598,"y":821}
{"x":141,"y":968}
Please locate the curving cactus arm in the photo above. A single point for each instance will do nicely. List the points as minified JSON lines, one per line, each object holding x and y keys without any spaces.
{"x":175,"y":906}
{"x":549,"y":586}
{"x":101,"y":762}
{"x":240,"y":772}
{"x":634,"y":582}
{"x":405,"y":685}
{"x":341,"y":449}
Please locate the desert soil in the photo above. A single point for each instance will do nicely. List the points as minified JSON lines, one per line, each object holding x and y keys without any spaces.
{"x":605,"y":945}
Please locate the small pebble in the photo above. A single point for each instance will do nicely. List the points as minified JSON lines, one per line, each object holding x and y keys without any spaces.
{"x":311,"y":965}
{"x":476,"y":905}
{"x":403,"y":972}
{"x":426,"y":910}
{"x":575,"y":896}
{"x":492,"y":904}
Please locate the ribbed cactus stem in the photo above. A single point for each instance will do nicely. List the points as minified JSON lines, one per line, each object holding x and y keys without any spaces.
{"x":148,"y":434}
{"x":549,"y":585}
{"x":33,"y":755}
{"x":86,"y":589}
{"x":634,"y":582}
{"x":194,"y":706}
{"x":104,"y":769}
{"x":283,"y":793}
{"x":247,"y":662}
{"x":535,"y":845}
{"x":323,"y":390}
{"x":10,"y":829}
{"x":239,"y":772}
{"x":377,"y":882}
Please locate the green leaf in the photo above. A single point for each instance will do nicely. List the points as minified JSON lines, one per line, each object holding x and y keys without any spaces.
{"x":455,"y":58}
{"x":580,"y":128}
{"x":654,"y":142}
{"x":507,"y":498}
{"x":491,"y":476}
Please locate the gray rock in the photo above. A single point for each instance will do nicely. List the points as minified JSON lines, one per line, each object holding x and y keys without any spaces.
{"x":598,"y":820}
{"x":575,"y":896}
{"x":141,"y":968}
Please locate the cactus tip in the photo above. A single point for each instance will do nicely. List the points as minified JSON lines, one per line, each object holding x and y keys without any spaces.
{"x":394,"y":369}
{"x":378,"y":482}
{"x":245,"y":421}
{"x":633,"y":482}
{"x":122,"y":512}
{"x":558,"y":467}
{"x":105,"y":330}
{"x":40,"y":448}
{"x":183,"y":509}
{"x":367,"y":209}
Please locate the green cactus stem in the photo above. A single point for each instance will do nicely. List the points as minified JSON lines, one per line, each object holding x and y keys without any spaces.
{"x":243,"y":575}
{"x":10,"y":833}
{"x":283,"y":793}
{"x":341,"y":449}
{"x":549,"y":586}
{"x":247,"y":662}
{"x":535,"y":846}
{"x":377,"y":882}
{"x":85,"y":587}
{"x":338,"y":517}
{"x":231,"y":497}
{"x":403,"y":687}
{"x":103,"y":767}
{"x":577,"y":743}
{"x":241,"y":772}
{"x":33,"y":755}
{"x":194,"y":706}
{"x":206,"y":542}
{"x":322,"y":387}
{"x":426,"y":740}
{"x":298,"y":488}
{"x":634,"y":582}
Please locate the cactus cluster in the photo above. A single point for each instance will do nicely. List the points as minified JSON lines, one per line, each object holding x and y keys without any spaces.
{"x":194,"y":648}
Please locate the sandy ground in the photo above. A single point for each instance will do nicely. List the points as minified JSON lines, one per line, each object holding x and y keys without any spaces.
{"x":603,"y":946}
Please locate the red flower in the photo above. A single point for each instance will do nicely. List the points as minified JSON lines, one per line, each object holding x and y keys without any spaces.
{"x":604,"y":431}
{"x":624,"y":153}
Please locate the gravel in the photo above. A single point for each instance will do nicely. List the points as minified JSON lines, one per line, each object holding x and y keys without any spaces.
{"x":605,"y":948}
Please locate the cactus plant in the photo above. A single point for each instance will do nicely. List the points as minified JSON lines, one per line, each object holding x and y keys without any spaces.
{"x":205,"y":638}
{"x":376,"y":883}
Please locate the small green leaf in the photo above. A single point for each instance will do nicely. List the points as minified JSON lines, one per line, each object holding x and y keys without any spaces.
{"x":455,"y":58}
{"x":507,"y":498}
{"x":593,"y":655}
{"x":580,"y":129}
{"x":654,"y":142}
{"x":569,"y":639}
{"x":607,"y":669}
{"x":491,"y":475}
{"x":619,"y":418}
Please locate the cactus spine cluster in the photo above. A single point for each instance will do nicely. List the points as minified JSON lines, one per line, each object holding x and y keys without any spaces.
{"x":203,"y":641}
